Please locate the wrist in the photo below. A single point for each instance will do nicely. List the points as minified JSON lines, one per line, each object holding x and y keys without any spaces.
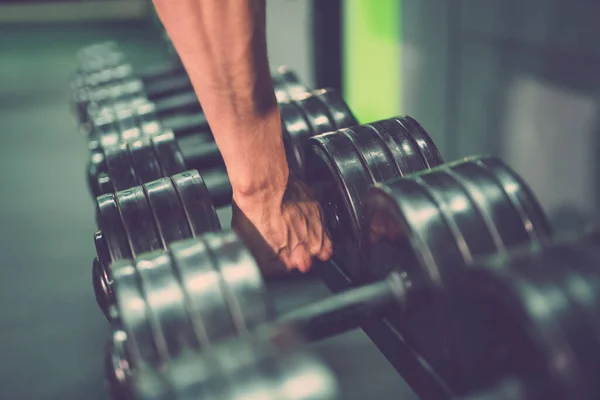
{"x":256,"y":189}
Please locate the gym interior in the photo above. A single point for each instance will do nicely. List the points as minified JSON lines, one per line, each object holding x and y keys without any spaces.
{"x":513,"y":79}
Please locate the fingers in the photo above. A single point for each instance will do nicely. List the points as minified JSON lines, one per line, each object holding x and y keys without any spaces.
{"x":313,"y":238}
{"x":290,"y":237}
{"x":326,"y":250}
{"x":300,"y":258}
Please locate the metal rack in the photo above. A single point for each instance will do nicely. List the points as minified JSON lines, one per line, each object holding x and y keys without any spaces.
{"x":413,"y":368}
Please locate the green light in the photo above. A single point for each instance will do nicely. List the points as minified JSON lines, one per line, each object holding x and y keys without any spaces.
{"x":372,"y":58}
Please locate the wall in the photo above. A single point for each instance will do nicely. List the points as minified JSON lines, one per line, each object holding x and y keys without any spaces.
{"x":289,"y":36}
{"x":514,"y":78}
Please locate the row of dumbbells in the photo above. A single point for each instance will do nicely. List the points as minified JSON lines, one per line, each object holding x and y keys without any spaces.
{"x":413,"y":243}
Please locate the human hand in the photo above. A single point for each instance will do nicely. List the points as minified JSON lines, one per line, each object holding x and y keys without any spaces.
{"x":284,"y":231}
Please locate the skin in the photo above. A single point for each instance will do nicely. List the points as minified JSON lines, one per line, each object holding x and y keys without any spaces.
{"x":222,"y":44}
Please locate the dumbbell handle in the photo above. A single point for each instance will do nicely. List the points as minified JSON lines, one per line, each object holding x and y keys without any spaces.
{"x":184,"y":101}
{"x":348,"y":310}
{"x":157,"y":73}
{"x":187,"y":124}
{"x":198,"y":153}
{"x":158,"y":89}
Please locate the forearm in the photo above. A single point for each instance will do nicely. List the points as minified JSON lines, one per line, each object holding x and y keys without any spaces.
{"x":222,"y":45}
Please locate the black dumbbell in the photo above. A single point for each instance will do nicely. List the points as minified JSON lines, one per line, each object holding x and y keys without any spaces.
{"x":117,"y":167}
{"x":232,"y":299}
{"x":114,"y":241}
{"x":102,"y":63}
{"x":256,"y":366}
{"x":441,"y":222}
{"x":531,"y":317}
{"x":170,"y":95}
{"x":94,"y":58}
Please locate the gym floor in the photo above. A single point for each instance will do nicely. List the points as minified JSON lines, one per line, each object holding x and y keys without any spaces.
{"x":52,"y":333}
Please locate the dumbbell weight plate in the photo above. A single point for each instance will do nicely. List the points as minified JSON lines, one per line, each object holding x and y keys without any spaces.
{"x":407,"y":156}
{"x":340,"y":114}
{"x":172,"y":330}
{"x":424,"y":143}
{"x":573,"y":267}
{"x":149,"y":219}
{"x":201,"y":282}
{"x":534,"y":324}
{"x":493,"y":202}
{"x":147,"y":117}
{"x":460,"y":213}
{"x":287,"y":85}
{"x":197,"y":202}
{"x":119,"y":166}
{"x":113,"y":243}
{"x":144,"y":160}
{"x":126,"y":122}
{"x":333,"y":166}
{"x":296,"y":132}
{"x":316,"y":113}
{"x":372,"y":152}
{"x":451,"y":252}
{"x":340,"y":179}
{"x":116,"y":368}
{"x":172,"y":333}
{"x":169,"y":156}
{"x":134,"y":317}
{"x":588,"y":289}
{"x":106,"y":133}
{"x":167,"y":210}
{"x":534,"y":220}
{"x":244,"y":285}
{"x":102,"y":285}
{"x":111,"y":224}
{"x":136,"y":216}
{"x":471,"y":214}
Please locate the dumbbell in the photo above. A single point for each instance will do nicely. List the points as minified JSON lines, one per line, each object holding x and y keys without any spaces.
{"x":215,"y":286}
{"x":101,"y":63}
{"x":531,"y":317}
{"x":402,"y":142}
{"x":441,"y":222}
{"x":94,"y":58}
{"x":255,"y":366}
{"x":108,"y":108}
{"x":130,"y":163}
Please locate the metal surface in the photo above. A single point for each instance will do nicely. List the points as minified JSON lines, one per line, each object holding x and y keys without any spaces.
{"x":419,"y":375}
{"x":344,"y":164}
{"x":196,"y":201}
{"x":203,"y":287}
{"x":167,"y":211}
{"x":144,"y":160}
{"x":56,"y":309}
{"x":136,"y":216}
{"x":339,"y":112}
{"x":242,"y":281}
{"x":316,"y":113}
{"x":119,"y":167}
{"x":537,"y":296}
{"x":432,"y":225}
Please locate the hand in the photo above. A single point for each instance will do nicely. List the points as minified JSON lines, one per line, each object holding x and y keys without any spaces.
{"x":283,"y":231}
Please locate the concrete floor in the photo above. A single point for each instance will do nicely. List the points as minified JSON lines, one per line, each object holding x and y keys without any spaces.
{"x":52,"y":333}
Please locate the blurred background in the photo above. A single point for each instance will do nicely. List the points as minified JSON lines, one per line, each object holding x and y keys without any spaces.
{"x":514,"y":78}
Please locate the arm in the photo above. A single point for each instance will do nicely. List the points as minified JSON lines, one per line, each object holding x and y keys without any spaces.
{"x":222,"y":44}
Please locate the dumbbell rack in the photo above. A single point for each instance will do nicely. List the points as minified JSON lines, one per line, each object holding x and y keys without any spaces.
{"x":414,"y":369}
{"x":410,"y":365}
